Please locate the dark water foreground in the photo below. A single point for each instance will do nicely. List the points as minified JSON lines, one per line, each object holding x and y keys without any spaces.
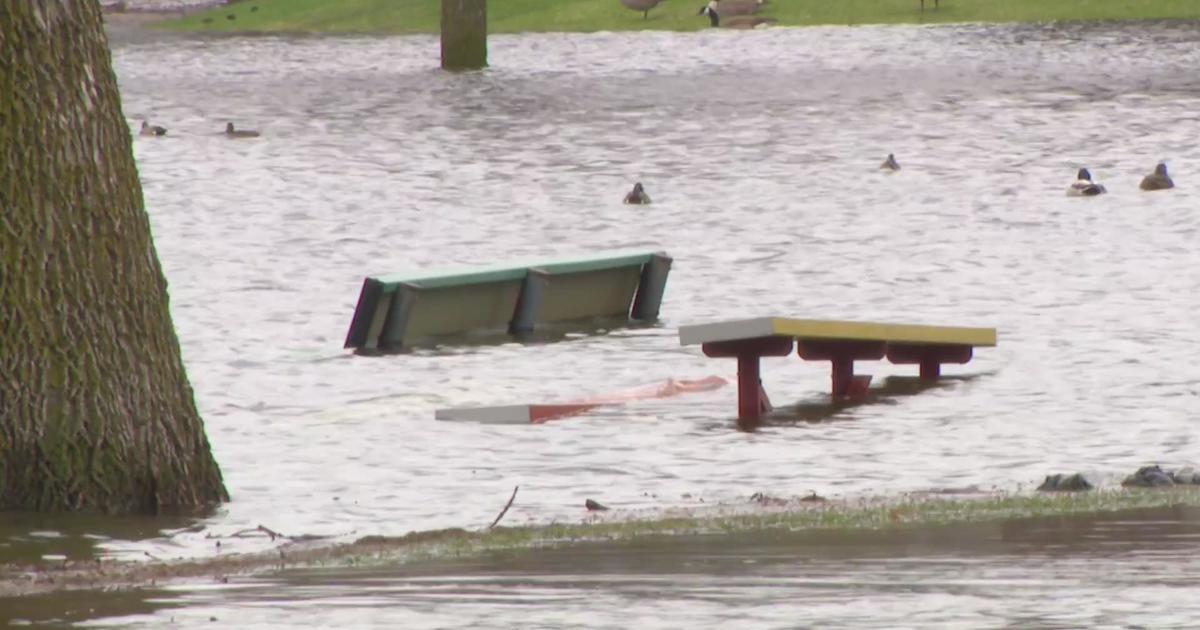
{"x":1137,"y":568}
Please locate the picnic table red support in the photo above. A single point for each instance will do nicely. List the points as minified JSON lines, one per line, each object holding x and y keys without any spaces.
{"x":752,"y":398}
{"x":842,"y":354}
{"x":929,"y":356}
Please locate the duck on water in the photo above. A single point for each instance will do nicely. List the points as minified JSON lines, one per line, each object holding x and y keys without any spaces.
{"x":1084,"y":186}
{"x":1158,"y":180}
{"x":637,"y":196}
{"x":239,"y":133}
{"x":152,"y":130}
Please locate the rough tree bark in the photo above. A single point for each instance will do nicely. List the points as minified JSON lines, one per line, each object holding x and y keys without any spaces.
{"x":96,"y":412}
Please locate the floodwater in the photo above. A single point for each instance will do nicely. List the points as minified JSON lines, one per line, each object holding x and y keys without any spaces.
{"x":760,"y":150}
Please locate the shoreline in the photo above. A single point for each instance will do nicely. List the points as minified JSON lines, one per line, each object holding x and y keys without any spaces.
{"x":793,"y":515}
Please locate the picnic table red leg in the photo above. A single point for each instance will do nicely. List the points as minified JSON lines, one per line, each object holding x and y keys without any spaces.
{"x":752,"y":398}
{"x":931,"y":370}
{"x":929,"y":356}
{"x":842,"y":354}
{"x":750,"y":404}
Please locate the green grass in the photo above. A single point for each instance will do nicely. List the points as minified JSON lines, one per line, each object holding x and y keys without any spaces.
{"x":515,"y":16}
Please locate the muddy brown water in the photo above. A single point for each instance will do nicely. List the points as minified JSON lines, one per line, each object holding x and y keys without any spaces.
{"x":759,"y":150}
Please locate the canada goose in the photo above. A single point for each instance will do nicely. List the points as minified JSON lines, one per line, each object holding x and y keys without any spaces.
{"x":890,"y":164}
{"x":641,"y":5}
{"x":152,"y":130}
{"x":730,"y":8}
{"x":738,"y":21}
{"x":239,"y":133}
{"x":1158,"y":180}
{"x":637,"y":195}
{"x":1084,"y":187}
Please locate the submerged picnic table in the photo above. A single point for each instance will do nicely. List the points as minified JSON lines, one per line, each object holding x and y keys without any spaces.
{"x":839,"y":342}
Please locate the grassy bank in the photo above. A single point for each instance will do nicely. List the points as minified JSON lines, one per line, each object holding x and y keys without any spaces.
{"x":515,"y":16}
{"x":795,"y":515}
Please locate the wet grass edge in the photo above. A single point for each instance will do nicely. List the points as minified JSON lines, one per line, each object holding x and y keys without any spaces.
{"x":874,"y":514}
{"x":727,"y":520}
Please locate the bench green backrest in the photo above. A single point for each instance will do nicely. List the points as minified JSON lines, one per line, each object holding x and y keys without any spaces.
{"x":397,"y":310}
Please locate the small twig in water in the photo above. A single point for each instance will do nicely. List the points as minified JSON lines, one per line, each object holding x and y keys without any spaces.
{"x":506,"y":506}
{"x":243,"y":533}
{"x":270,"y":532}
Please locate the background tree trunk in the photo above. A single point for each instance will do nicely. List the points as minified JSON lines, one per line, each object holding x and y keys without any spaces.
{"x":464,"y":34}
{"x":96,"y":412}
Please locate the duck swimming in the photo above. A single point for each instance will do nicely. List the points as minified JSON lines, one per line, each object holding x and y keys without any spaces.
{"x":152,"y":130}
{"x":1084,"y":186}
{"x":890,"y":164}
{"x":737,"y":21}
{"x":1158,"y":180}
{"x":637,"y":196}
{"x":239,"y":133}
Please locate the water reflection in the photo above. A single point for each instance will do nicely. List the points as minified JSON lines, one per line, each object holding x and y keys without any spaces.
{"x":27,"y":538}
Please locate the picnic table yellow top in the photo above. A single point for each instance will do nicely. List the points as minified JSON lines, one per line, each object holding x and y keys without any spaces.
{"x":835,"y":330}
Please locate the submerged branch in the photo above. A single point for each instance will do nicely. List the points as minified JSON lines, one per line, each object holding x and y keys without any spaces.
{"x":506,"y":506}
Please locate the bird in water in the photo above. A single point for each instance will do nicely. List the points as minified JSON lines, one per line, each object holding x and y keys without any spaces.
{"x":890,"y":164}
{"x":638,"y":195}
{"x":1084,"y":186}
{"x":1158,"y":180}
{"x":239,"y":133}
{"x":152,"y":130}
{"x":641,"y":5}
{"x":737,"y":21}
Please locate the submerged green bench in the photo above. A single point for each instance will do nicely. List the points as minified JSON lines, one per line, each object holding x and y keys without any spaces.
{"x":402,"y":311}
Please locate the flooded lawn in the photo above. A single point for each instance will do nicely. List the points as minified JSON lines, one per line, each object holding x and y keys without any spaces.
{"x":760,"y":152}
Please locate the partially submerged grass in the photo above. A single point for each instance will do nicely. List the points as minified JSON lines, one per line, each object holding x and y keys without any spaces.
{"x":726,"y":520}
{"x":518,"y":16}
{"x":795,"y":516}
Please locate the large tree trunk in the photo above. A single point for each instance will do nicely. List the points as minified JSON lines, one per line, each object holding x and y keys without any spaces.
{"x":96,"y":412}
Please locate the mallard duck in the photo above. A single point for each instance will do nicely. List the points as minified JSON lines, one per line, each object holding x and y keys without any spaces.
{"x":637,"y":195}
{"x":152,"y":130}
{"x":730,"y":8}
{"x":1158,"y":180}
{"x":890,"y":164}
{"x":641,"y":5}
{"x":1084,"y":186}
{"x":738,"y":21}
{"x":239,"y":133}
